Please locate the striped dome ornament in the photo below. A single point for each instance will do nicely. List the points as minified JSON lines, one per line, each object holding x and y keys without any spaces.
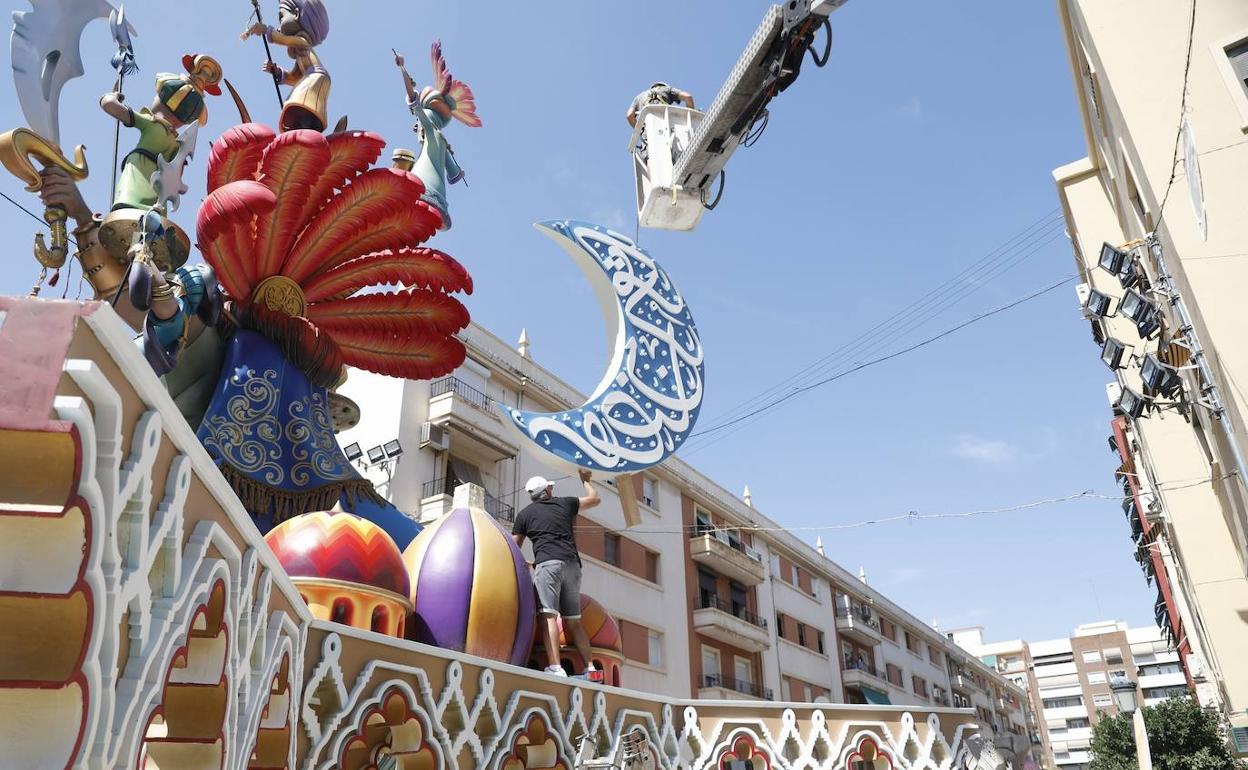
{"x":332,"y":545}
{"x":470,"y":586}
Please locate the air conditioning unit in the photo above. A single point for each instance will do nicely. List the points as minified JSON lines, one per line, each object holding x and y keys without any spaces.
{"x":434,"y":437}
{"x":1113,"y":391}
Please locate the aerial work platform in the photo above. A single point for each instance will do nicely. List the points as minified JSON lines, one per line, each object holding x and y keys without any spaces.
{"x":679,"y":153}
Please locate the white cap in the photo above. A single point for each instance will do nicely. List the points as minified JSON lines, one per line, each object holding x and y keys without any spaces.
{"x":536,"y":484}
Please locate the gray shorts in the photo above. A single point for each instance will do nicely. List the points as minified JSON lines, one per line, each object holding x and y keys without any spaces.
{"x":558,"y":588}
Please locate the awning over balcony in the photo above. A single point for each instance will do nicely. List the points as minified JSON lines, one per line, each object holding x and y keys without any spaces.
{"x":875,"y":697}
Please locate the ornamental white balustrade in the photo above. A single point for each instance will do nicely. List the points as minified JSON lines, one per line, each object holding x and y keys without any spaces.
{"x":144,"y":622}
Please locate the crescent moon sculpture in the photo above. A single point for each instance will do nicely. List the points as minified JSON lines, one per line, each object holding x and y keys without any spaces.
{"x":651,"y":394}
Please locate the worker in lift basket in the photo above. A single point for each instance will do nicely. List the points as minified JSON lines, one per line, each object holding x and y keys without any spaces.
{"x":659,"y":93}
{"x":548,"y":522}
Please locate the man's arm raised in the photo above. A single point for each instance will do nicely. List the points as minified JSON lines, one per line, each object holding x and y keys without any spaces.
{"x":591,"y":497}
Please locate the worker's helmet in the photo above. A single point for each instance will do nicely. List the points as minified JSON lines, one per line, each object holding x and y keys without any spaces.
{"x":660,"y":84}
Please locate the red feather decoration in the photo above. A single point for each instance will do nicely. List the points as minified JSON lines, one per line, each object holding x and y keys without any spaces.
{"x":421,"y":267}
{"x":411,"y":311}
{"x":414,"y":357}
{"x":309,"y":207}
{"x":227,"y":211}
{"x":376,"y":195}
{"x":292,"y":164}
{"x":351,"y":153}
{"x":236,"y":155}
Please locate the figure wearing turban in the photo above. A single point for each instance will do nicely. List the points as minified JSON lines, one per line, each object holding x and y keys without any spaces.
{"x":179,"y":101}
{"x":304,"y":24}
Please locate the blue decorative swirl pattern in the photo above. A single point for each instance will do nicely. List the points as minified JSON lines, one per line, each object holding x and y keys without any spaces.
{"x":649,"y":400}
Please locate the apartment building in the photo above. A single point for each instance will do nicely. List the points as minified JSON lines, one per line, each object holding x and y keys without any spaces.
{"x":1155,"y":213}
{"x":1067,"y":680}
{"x":713,"y":599}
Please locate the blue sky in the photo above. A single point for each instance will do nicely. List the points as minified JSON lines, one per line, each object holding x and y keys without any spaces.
{"x":926,"y":143}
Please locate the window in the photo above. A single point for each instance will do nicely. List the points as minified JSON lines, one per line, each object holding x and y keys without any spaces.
{"x":820,"y":643}
{"x":934,"y":656}
{"x":920,"y":685}
{"x":888,"y":628}
{"x":652,"y":566}
{"x":340,"y":612}
{"x":1100,"y":701}
{"x":1096,"y":677}
{"x":913,"y":644}
{"x":1092,"y":656}
{"x":1075,"y":724}
{"x":1113,"y":655}
{"x":743,"y":671}
{"x":801,"y":634}
{"x":893,"y":674}
{"x":703,"y":522}
{"x":654,"y":648}
{"x":380,"y":620}
{"x":611,"y":549}
{"x":650,"y":492}
{"x":1061,"y":703}
{"x":1117,"y":674}
{"x":1237,"y":54}
{"x":710,"y":666}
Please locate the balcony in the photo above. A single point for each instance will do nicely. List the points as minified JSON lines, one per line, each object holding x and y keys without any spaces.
{"x":716,"y":687}
{"x":737,"y":626}
{"x":436,"y":497}
{"x":728,"y":556}
{"x":472,"y":417}
{"x":857,"y":621}
{"x":960,"y":680}
{"x":859,"y":673}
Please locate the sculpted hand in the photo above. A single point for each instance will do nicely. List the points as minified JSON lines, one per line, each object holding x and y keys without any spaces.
{"x":271,"y":68}
{"x":399,"y":61}
{"x":254,"y":29}
{"x":59,"y":189}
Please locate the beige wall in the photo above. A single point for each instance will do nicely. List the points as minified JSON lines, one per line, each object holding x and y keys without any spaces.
{"x":1131,"y":54}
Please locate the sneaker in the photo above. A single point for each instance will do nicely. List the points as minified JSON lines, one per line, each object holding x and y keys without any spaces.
{"x":556,"y":670}
{"x":594,"y":675}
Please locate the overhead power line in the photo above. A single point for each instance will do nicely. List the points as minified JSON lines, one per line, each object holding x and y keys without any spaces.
{"x":922,"y":343}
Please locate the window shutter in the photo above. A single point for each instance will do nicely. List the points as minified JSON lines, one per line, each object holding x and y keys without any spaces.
{"x":1238,"y":54}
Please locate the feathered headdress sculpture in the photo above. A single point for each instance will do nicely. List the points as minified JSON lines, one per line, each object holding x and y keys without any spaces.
{"x":456,"y":93}
{"x":298,"y":224}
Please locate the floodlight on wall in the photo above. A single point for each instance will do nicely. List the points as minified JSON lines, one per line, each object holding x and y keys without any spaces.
{"x":353,"y":451}
{"x":1131,"y":403}
{"x":1113,"y":352}
{"x":1098,"y":304}
{"x":1141,"y":310}
{"x":1113,"y":259}
{"x":376,"y":454}
{"x":392,"y":448}
{"x":1132,"y":275}
{"x":1159,"y":377}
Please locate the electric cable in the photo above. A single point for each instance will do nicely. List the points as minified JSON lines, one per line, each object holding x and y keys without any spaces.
{"x":922,"y":343}
{"x":692,"y":445}
{"x":971,"y":273}
{"x":1178,"y":135}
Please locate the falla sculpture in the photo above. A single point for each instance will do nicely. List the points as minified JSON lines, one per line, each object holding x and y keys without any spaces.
{"x":194,"y":575}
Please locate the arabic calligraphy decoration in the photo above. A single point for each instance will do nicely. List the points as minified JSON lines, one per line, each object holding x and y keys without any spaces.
{"x":650,"y":397}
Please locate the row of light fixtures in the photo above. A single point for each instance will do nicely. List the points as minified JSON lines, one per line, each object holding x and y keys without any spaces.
{"x":380,"y":453}
{"x":1158,"y":377}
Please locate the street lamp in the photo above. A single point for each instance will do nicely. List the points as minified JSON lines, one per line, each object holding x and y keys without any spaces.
{"x":1127,"y":701}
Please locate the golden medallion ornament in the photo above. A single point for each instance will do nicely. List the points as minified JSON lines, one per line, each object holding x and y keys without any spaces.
{"x":281,"y":295}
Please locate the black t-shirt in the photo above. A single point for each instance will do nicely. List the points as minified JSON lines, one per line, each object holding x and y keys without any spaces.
{"x":548,"y":523}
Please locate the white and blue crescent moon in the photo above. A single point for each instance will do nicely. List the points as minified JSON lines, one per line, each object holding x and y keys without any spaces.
{"x":651,"y":394}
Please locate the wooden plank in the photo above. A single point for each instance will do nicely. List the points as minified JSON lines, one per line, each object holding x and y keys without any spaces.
{"x":624,"y":485}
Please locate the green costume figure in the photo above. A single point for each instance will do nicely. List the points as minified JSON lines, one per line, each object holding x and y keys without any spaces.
{"x":179,"y":100}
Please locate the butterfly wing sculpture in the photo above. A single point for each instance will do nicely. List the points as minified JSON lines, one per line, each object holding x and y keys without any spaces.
{"x":459,"y":96}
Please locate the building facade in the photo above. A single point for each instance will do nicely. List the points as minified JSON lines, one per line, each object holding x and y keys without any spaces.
{"x":713,"y":599}
{"x":1067,"y":680}
{"x":1155,"y":213}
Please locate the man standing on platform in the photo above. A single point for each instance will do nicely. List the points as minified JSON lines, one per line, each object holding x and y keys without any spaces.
{"x":548,"y":522}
